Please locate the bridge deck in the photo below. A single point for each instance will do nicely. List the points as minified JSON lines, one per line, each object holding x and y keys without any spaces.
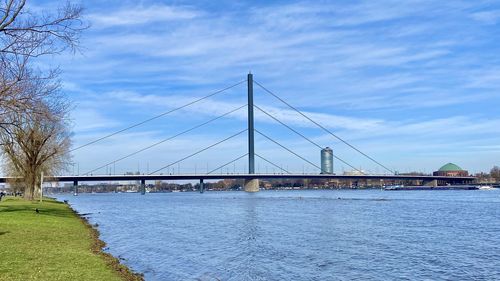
{"x":101,"y":178}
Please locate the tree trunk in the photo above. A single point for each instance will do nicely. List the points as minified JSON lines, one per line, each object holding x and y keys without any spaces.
{"x":30,"y":188}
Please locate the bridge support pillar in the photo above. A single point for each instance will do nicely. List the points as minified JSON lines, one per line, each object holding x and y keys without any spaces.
{"x":251,"y":185}
{"x":75,"y":188}
{"x":143,"y":187}
{"x":432,"y":183}
{"x":202,"y":187}
{"x":251,"y":149}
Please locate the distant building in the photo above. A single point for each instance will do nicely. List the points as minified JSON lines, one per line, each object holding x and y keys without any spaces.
{"x":451,"y":170}
{"x":327,"y":161}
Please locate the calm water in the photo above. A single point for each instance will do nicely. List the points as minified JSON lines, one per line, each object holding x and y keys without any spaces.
{"x":302,"y":235}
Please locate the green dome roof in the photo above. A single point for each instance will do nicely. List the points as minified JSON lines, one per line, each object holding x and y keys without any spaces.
{"x":450,"y":167}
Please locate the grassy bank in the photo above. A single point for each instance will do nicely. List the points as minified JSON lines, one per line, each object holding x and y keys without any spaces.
{"x":54,"y":244}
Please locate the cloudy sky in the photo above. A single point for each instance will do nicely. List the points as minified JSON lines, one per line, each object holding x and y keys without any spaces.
{"x":414,"y":84}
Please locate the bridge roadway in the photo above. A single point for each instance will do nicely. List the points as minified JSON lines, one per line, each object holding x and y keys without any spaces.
{"x":142,"y":178}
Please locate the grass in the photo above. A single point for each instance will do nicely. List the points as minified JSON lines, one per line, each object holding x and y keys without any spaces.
{"x":55,"y":244}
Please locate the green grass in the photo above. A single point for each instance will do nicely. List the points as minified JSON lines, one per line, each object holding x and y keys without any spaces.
{"x":54,"y":244}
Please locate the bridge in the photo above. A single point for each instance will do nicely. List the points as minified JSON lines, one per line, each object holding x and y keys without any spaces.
{"x":430,"y":180}
{"x":251,"y":179}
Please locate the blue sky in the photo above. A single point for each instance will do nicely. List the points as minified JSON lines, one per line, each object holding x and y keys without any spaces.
{"x":415,"y":84}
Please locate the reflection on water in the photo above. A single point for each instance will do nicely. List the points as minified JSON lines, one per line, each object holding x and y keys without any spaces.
{"x":302,"y":235}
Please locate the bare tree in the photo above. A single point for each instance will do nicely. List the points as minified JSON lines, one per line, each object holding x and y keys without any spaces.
{"x":25,"y":36}
{"x":41,"y":141}
{"x":34,"y":134}
{"x":495,"y":173}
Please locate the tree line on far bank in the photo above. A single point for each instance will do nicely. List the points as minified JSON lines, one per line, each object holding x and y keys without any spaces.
{"x":34,"y":113}
{"x":493,"y":175}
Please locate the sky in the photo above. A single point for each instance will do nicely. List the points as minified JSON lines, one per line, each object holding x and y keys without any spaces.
{"x":414,"y":84}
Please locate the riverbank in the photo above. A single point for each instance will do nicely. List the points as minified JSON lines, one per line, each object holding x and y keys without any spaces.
{"x":291,"y":235}
{"x":53,"y":244}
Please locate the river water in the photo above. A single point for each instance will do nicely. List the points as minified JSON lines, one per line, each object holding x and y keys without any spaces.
{"x":302,"y":235}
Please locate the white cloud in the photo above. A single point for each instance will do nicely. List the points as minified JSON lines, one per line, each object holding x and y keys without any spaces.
{"x":91,"y":119}
{"x":139,"y":15}
{"x":487,"y":17}
{"x":484,"y":78}
{"x":214,"y":107}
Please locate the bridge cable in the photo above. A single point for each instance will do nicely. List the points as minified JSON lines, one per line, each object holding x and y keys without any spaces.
{"x":272,"y":163}
{"x":199,"y":151}
{"x":167,"y":139}
{"x":222,"y":166}
{"x":157,"y":116}
{"x":303,"y":136}
{"x":322,"y":127}
{"x":289,"y":150}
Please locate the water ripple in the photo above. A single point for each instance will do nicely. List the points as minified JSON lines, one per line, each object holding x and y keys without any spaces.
{"x":302,"y":235}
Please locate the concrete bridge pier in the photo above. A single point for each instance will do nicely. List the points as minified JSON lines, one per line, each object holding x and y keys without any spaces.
{"x":431,"y":183}
{"x":143,"y":187}
{"x":202,"y":186}
{"x":251,"y":185}
{"x":75,"y":188}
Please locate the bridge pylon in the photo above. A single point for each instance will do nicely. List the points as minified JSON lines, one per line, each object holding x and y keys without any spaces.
{"x":251,"y":185}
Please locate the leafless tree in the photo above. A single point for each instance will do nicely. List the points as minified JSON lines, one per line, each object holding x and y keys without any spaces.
{"x":34,"y":132}
{"x":495,"y":173}
{"x":25,"y":36}
{"x":41,"y":141}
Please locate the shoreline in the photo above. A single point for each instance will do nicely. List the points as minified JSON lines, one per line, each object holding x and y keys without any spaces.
{"x":50,"y":240}
{"x":97,"y":248}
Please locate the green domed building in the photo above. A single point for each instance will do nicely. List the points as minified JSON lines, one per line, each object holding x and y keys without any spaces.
{"x":451,"y":170}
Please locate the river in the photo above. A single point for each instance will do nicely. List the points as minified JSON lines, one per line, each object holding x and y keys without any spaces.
{"x":301,"y":235}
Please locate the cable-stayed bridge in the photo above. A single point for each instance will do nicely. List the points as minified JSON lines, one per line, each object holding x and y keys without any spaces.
{"x":251,"y":177}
